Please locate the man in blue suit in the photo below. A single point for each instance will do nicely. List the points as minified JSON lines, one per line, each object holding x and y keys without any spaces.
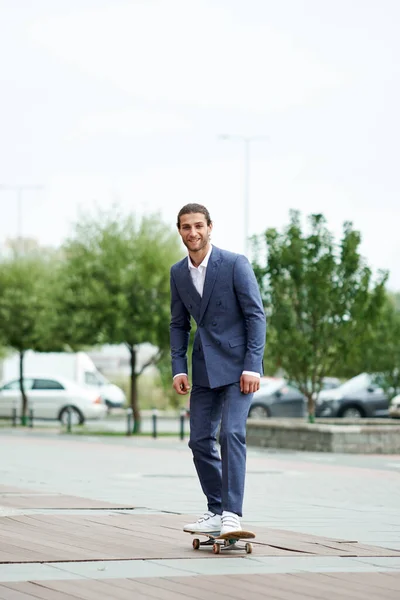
{"x":219,"y":290}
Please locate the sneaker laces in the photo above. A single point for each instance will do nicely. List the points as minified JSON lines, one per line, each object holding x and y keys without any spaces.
{"x":230,"y":521}
{"x":207,"y":515}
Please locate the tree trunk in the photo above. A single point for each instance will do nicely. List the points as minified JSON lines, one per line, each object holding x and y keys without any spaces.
{"x":310,"y":408}
{"x":134,"y":392}
{"x":22,"y":388}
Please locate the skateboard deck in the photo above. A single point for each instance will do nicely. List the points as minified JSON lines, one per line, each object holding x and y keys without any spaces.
{"x":227,"y":541}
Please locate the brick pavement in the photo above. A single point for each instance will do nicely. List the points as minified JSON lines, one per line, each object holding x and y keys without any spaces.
{"x":96,"y":518}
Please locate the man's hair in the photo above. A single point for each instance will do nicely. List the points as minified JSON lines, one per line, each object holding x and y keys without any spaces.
{"x":193,"y":208}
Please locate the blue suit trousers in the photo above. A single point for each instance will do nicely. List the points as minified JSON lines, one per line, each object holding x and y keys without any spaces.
{"x":221,"y":474}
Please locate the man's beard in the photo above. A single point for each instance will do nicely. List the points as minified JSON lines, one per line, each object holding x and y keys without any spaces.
{"x":201,"y":247}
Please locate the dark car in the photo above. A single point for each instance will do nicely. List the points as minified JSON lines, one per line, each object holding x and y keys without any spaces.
{"x":276,"y":398}
{"x":358,"y":397}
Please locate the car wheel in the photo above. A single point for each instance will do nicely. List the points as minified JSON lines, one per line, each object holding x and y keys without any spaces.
{"x":77,"y":417}
{"x":352,"y":412}
{"x":258,"y":411}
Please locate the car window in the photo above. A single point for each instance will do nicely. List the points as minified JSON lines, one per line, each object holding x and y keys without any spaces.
{"x":14,"y":385}
{"x":330,"y":385}
{"x":93,"y":379}
{"x":270,"y":386}
{"x":377,"y":381}
{"x":47,"y":384}
{"x":293,"y":390}
{"x":355,"y":384}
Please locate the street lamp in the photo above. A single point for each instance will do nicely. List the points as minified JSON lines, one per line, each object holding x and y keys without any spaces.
{"x":247,"y":140}
{"x":20,"y":189}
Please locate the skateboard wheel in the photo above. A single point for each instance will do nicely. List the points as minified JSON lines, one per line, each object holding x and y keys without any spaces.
{"x":196,"y":544}
{"x":249,"y":548}
{"x":216,"y":548}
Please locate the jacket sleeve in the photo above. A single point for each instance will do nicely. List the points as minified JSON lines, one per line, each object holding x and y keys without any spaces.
{"x":249,"y":298}
{"x":179,"y":331}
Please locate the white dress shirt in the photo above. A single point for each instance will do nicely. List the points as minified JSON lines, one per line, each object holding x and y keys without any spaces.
{"x":198,"y":276}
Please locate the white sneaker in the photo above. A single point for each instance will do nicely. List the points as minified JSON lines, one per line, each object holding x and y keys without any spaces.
{"x":230,"y":523}
{"x":208,"y":523}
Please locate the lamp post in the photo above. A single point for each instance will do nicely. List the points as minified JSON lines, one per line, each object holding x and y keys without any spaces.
{"x":246,"y":140}
{"x":20,"y":189}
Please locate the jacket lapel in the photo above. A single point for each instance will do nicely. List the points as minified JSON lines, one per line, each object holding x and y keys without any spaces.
{"x":187,"y":283}
{"x":211,"y":276}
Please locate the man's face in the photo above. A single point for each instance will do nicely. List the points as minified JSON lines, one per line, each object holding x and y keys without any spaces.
{"x":194,"y":231}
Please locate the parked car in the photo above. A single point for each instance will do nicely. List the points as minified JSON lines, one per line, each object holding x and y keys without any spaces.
{"x":330,"y":383}
{"x":276,"y":398}
{"x":52,"y":397}
{"x":75,"y":366}
{"x":358,"y":397}
{"x":394,"y":408}
{"x":327,"y":383}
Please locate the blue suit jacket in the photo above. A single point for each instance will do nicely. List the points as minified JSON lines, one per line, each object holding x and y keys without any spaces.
{"x":230,"y":317}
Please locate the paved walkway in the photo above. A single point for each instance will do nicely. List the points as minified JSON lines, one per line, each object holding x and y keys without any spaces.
{"x":101,"y":518}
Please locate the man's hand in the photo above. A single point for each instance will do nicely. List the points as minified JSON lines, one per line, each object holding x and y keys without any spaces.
{"x":249,"y":384}
{"x":181,"y":384}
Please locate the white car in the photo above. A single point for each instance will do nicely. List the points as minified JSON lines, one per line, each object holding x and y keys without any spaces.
{"x":52,"y":398}
{"x":111,"y":394}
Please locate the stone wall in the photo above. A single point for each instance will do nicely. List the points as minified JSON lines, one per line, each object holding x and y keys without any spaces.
{"x":292,"y":435}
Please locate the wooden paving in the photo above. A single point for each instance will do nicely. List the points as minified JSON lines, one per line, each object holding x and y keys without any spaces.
{"x":304,"y":586}
{"x":112,"y":534}
{"x":55,"y":538}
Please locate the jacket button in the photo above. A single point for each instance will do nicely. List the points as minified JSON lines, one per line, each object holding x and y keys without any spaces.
{"x":219,"y":303}
{"x":218,"y":343}
{"x":189,"y":305}
{"x":214,"y":322}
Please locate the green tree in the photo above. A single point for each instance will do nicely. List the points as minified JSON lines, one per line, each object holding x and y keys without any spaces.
{"x":319,"y":297}
{"x":27,"y":315}
{"x":377,"y":350}
{"x":394,"y":297}
{"x":382,"y":349}
{"x":115,"y":286}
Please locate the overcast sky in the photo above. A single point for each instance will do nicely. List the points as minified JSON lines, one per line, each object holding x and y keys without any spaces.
{"x":106,"y":101}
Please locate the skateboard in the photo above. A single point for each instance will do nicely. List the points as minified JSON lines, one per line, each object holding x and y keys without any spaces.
{"x":228,"y":541}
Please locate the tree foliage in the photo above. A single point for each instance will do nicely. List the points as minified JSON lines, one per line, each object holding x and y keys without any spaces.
{"x":320,"y":299}
{"x":115,"y":286}
{"x":27,"y":313}
{"x":382,"y":349}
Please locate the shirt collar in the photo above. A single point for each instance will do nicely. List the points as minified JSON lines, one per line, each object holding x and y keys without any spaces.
{"x":203,"y":263}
